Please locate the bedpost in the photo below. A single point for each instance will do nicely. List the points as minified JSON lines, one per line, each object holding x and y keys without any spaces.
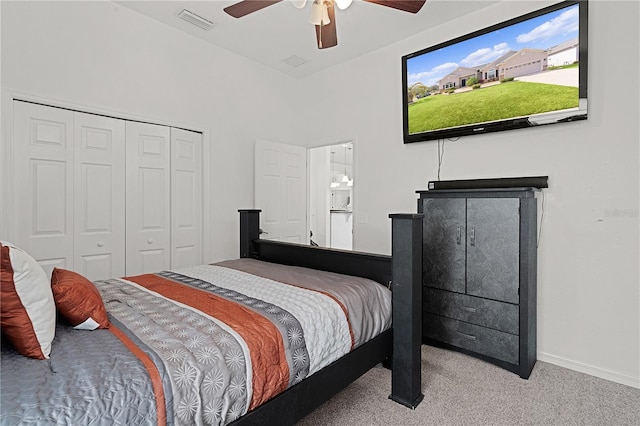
{"x":406,"y":252}
{"x":249,"y":231}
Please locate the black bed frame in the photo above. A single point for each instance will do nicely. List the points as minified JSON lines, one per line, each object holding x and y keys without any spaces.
{"x":401,"y":272}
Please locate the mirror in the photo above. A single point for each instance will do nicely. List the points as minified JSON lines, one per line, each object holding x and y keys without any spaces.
{"x":331,"y":186}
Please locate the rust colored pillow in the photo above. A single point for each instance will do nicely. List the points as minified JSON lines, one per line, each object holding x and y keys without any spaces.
{"x":28,"y":313}
{"x":78,"y":300}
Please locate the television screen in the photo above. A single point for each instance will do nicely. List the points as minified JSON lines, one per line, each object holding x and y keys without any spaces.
{"x":528,"y":71}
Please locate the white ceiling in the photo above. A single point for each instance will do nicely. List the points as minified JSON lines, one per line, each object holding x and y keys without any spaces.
{"x":281,"y":31}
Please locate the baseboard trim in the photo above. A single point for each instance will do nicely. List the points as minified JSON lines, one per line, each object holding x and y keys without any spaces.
{"x":590,"y":369}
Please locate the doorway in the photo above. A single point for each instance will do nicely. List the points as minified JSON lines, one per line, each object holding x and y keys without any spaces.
{"x":331,"y":200}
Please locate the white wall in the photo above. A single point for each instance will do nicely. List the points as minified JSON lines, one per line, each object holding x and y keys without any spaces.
{"x":104,"y":56}
{"x":588,"y":278}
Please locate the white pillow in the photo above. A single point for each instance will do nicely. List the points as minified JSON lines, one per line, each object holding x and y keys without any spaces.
{"x":28,"y":311}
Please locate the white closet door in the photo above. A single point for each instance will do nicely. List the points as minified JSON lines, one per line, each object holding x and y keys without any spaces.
{"x":148,"y":198}
{"x":99,"y":196}
{"x":186,"y":200}
{"x":43,"y":184}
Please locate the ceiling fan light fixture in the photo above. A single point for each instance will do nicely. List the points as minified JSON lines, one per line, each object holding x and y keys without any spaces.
{"x":343,"y":4}
{"x":299,"y":3}
{"x":322,"y":13}
{"x":319,"y":13}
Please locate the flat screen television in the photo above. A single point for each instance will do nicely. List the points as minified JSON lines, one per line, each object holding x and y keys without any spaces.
{"x":528,"y":71}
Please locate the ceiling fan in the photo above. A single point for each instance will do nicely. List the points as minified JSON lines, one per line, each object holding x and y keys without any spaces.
{"x":322,"y":13}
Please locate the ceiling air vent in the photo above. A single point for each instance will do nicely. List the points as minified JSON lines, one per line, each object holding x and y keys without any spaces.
{"x":295,"y":61}
{"x":196,"y":20}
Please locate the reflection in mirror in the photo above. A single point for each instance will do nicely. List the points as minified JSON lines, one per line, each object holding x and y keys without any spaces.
{"x":331,"y":186}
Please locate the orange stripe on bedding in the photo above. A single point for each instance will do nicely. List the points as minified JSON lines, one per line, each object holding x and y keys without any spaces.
{"x":154,"y":374}
{"x":270,"y":373}
{"x":260,"y":272}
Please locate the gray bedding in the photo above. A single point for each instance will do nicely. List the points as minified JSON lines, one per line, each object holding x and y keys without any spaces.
{"x":200,"y":345}
{"x":91,"y":379}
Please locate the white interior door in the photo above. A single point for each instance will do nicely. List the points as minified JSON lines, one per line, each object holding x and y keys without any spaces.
{"x":99,"y":211}
{"x":320,"y":169}
{"x":186,"y":198}
{"x":281,"y":191}
{"x":147,"y":198}
{"x":43,"y":184}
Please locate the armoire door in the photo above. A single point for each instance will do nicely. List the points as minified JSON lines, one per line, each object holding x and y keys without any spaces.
{"x":493,"y":250}
{"x":148,"y":198}
{"x":99,"y":185}
{"x":43,"y":184}
{"x":444,"y":251}
{"x":186,"y":198}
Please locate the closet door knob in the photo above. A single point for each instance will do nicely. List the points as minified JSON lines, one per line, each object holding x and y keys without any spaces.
{"x":100,"y":243}
{"x":150,"y":241}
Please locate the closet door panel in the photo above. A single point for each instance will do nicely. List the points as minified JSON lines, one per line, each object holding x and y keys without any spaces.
{"x":99,"y":228}
{"x":186,"y":203}
{"x":43,"y":184}
{"x":148,"y":201}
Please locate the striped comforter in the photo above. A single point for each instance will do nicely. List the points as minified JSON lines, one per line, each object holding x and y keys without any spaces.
{"x":199,"y":345}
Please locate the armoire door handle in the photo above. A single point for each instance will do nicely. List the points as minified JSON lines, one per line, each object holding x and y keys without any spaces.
{"x":472,"y":237}
{"x":467,"y":336}
{"x":459,"y":235}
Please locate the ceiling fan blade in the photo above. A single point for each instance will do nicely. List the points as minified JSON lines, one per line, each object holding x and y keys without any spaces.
{"x":326,"y":35}
{"x":411,"y":6}
{"x":245,"y":7}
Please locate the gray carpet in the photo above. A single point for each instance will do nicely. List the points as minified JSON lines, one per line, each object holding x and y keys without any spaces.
{"x":461,"y":390}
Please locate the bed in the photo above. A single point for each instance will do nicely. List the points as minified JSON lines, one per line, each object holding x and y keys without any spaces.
{"x":237,"y":342}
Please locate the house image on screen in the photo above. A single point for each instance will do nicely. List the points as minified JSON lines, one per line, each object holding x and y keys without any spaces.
{"x":512,"y":64}
{"x":563,"y":54}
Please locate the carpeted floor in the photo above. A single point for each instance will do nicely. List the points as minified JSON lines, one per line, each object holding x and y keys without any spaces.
{"x":461,"y":390}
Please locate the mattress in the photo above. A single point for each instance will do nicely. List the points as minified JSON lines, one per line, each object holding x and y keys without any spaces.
{"x":198,"y":345}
